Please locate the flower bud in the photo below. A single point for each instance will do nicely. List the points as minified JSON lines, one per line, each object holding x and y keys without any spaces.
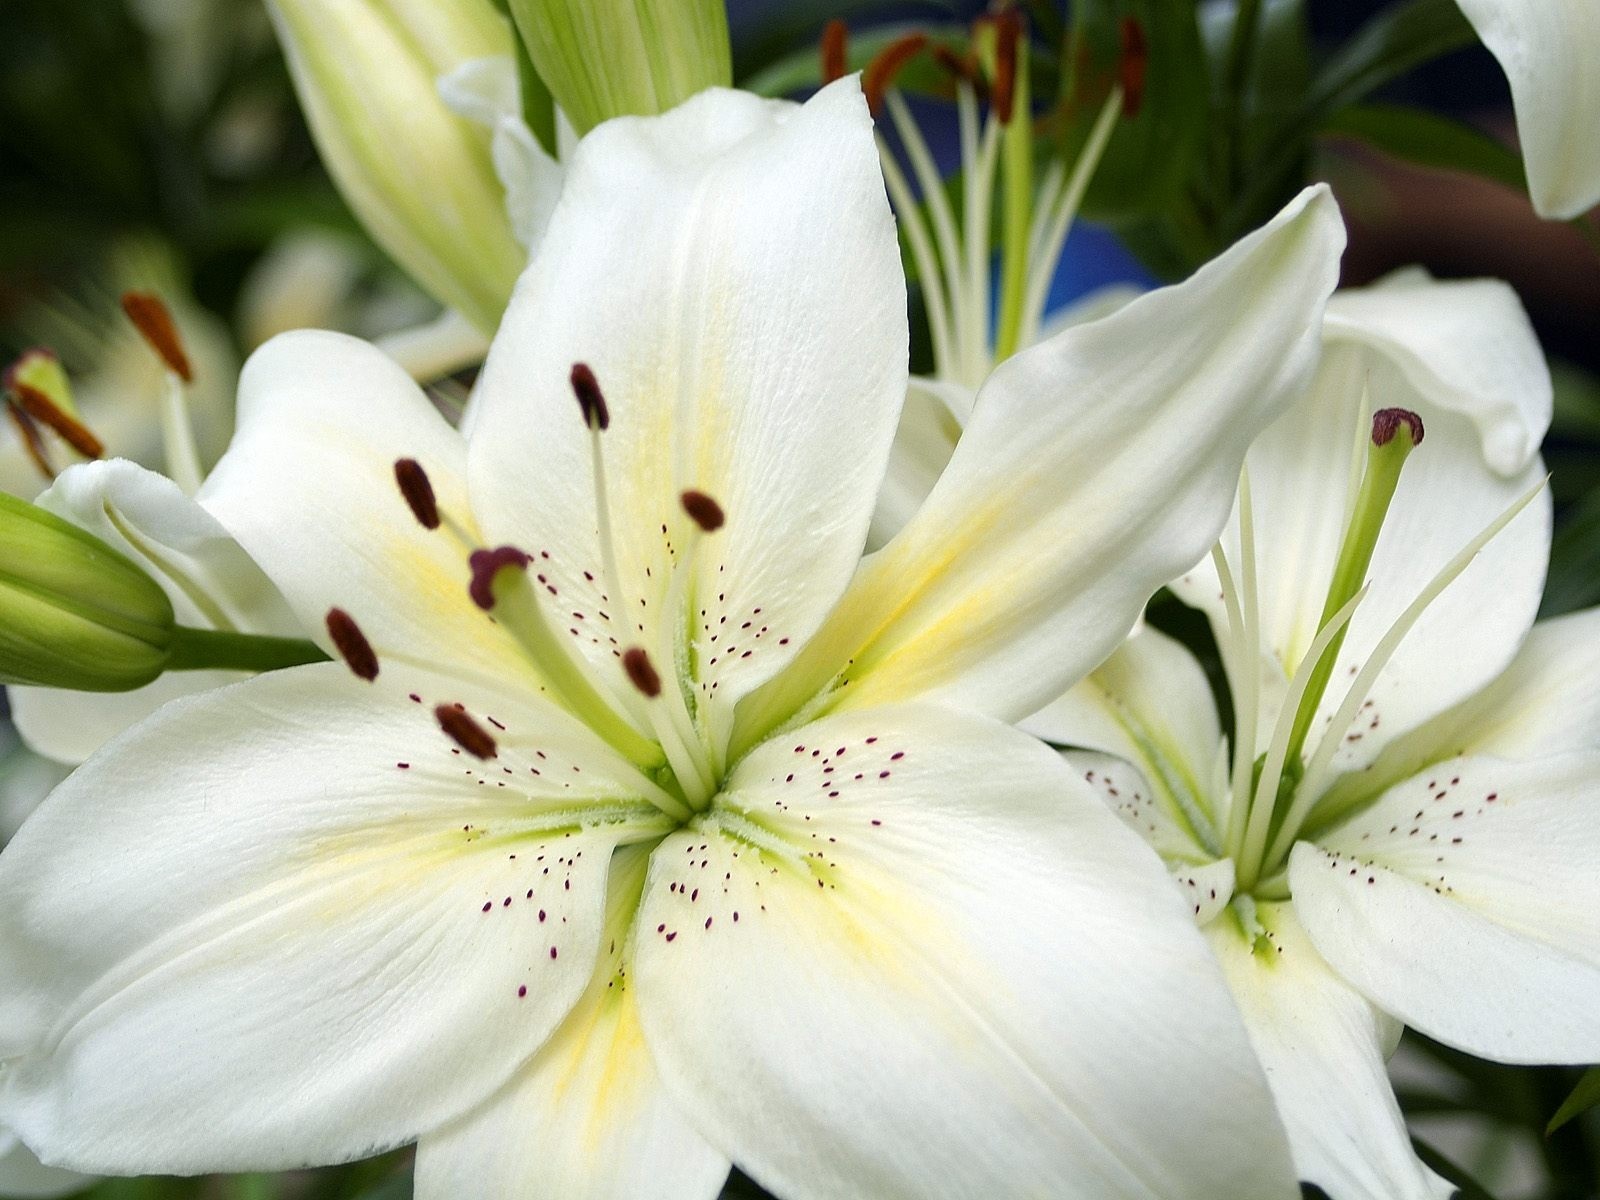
{"x":74,"y":613}
{"x":420,"y":177}
{"x":612,"y":58}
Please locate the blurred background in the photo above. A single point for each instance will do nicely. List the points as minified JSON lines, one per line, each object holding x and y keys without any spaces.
{"x":157,"y":144}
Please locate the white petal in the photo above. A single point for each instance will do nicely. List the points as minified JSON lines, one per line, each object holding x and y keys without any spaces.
{"x":930,"y":425}
{"x":485,"y":90}
{"x":925,"y":961}
{"x":1465,"y":345}
{"x":1151,"y":704}
{"x":1300,"y":480}
{"x":322,"y":419}
{"x":1548,"y":49}
{"x":1464,"y":903}
{"x":730,"y":272}
{"x":1319,"y":1041}
{"x":587,"y":1118}
{"x":1545,"y":702}
{"x":287,"y":923}
{"x":1096,"y":466}
{"x":23,"y":1177}
{"x":211,"y":581}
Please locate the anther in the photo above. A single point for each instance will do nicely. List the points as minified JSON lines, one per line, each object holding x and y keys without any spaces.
{"x":1008,"y":32}
{"x":352,"y":644}
{"x":961,"y":66}
{"x":418,"y":492}
{"x":151,"y":318}
{"x":44,"y":410}
{"x":835,"y":59}
{"x":1133,"y":65}
{"x":461,"y":729}
{"x":591,"y":400}
{"x":879,"y":76}
{"x":641,"y":672}
{"x":31,"y":441}
{"x":486,"y":565}
{"x":703,"y":510}
{"x":1386,"y":423}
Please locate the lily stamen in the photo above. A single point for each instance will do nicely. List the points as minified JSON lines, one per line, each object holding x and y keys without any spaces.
{"x":465,"y":732}
{"x":154,"y":322}
{"x":418,"y":492}
{"x":352,"y":644}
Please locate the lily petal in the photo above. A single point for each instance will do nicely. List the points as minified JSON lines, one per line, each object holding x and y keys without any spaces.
{"x":1096,"y":466}
{"x":322,"y":420}
{"x":1544,"y":703}
{"x":1464,"y":345}
{"x":1151,"y":704}
{"x":730,"y":273}
{"x":1463,"y":902}
{"x":310,"y":942}
{"x":1300,"y":480}
{"x":587,"y":1118}
{"x":1321,"y":1044}
{"x":212,"y":583}
{"x":930,"y":425}
{"x":1547,"y":49}
{"x":925,"y":961}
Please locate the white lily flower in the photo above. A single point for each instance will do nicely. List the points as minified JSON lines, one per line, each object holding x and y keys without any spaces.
{"x":706,"y":842}
{"x":1548,"y":50}
{"x":1425,"y":856}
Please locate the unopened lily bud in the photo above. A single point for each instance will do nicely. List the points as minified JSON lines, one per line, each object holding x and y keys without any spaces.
{"x":419,"y":176}
{"x":75,"y":613}
{"x":613,"y":58}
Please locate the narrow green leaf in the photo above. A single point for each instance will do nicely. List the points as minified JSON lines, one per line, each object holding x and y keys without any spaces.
{"x":1386,"y":47}
{"x":1584,"y":1097}
{"x":1469,"y":1188}
{"x":1429,"y":140}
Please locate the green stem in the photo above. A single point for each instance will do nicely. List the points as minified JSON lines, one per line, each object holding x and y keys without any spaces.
{"x":1016,"y":150}
{"x":1241,"y":58}
{"x":216,"y":650}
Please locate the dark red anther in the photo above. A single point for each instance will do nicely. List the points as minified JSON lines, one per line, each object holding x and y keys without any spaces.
{"x":352,"y":644}
{"x":835,"y":56}
{"x":703,"y":510}
{"x":151,"y":318}
{"x":486,"y":565}
{"x":1008,"y":34}
{"x":880,"y":74}
{"x":963,"y":67}
{"x":1133,"y":65}
{"x":417,"y":489}
{"x":641,"y":672}
{"x":1386,"y":423}
{"x":465,"y":732}
{"x":31,"y":441}
{"x":45,"y":411}
{"x":591,"y":400}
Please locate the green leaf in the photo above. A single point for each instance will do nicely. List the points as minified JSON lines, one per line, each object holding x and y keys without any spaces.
{"x":1386,"y":47}
{"x":1469,"y":1188}
{"x":1584,"y":1097}
{"x":1429,"y":140}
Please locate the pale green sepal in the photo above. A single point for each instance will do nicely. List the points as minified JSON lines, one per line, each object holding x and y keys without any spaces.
{"x":420,"y":178}
{"x":613,"y":58}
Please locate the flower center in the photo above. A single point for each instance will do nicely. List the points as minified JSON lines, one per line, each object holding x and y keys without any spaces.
{"x":1275,"y":795}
